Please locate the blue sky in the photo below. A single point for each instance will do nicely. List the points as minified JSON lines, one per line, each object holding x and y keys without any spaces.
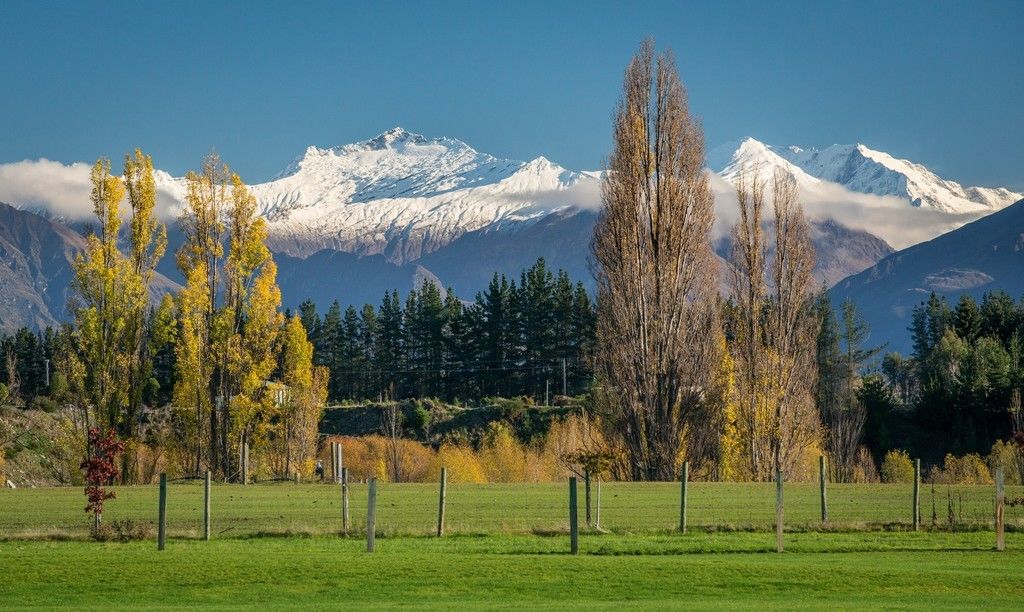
{"x":941,"y":83}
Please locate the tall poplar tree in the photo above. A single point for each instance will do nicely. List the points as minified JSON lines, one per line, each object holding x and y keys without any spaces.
{"x":655,"y":268}
{"x":231,"y":349}
{"x":112,"y":301}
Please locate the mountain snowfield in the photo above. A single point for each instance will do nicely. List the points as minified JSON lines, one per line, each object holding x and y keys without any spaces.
{"x":403,"y":195}
{"x":861,"y":170}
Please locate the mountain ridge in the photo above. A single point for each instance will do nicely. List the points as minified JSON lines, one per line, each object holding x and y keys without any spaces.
{"x":349,"y":222}
{"x":981,"y":256}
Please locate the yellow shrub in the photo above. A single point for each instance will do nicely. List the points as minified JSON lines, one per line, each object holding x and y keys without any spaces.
{"x":969,"y":469}
{"x":462,"y":463}
{"x":364,"y":456}
{"x":1006,"y":456}
{"x":416,"y":462}
{"x":502,"y":456}
{"x":370,"y":457}
{"x":897,"y":467}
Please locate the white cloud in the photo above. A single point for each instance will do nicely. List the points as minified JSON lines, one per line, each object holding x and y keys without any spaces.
{"x":888,"y":217}
{"x":61,"y":190}
{"x":48,"y":185}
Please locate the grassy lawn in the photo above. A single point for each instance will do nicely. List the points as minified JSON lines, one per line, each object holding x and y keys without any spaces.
{"x":275,"y":546}
{"x":522,"y":571}
{"x":411,"y":509}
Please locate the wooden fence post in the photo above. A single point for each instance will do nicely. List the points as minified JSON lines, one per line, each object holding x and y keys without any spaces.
{"x":821,"y":485}
{"x":245,"y":463}
{"x":917,"y":495}
{"x":778,"y":509}
{"x":161,"y":534}
{"x":684,"y":483}
{"x":371,"y":515}
{"x":338,"y":463}
{"x":440,"y":502}
{"x":574,"y":527}
{"x":586,"y":495}
{"x":206,"y":506}
{"x":334,"y":462}
{"x":597,"y":508}
{"x":1000,"y":505}
{"x":344,"y":500}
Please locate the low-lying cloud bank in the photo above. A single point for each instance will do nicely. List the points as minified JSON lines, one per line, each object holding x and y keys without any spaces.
{"x":62,"y":191}
{"x":890,"y":218}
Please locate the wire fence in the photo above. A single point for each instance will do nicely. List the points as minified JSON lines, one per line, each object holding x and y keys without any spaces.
{"x":412,"y":509}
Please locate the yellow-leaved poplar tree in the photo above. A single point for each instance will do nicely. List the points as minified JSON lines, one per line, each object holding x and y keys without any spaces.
{"x":111,"y":366}
{"x":236,"y":338}
{"x":302,"y":402}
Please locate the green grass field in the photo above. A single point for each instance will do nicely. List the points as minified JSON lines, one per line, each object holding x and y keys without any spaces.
{"x":277,"y":546}
{"x":411,"y":509}
{"x":521,"y":572}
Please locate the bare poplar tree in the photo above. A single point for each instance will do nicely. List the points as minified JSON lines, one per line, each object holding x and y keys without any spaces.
{"x":654,"y":267}
{"x":774,"y":347}
{"x":391,"y":420}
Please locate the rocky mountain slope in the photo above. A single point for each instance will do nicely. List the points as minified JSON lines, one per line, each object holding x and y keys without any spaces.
{"x":35,"y":268}
{"x":984,"y":255}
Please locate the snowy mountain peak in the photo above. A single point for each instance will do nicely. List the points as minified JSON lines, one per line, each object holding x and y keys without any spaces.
{"x":395,"y":134}
{"x":403,"y":194}
{"x":859,"y":168}
{"x":755,"y":157}
{"x":865,"y":170}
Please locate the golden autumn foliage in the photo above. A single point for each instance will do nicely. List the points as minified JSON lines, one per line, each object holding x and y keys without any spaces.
{"x":897,"y":467}
{"x":233,"y":337}
{"x":462,"y":463}
{"x":969,"y":469}
{"x":193,"y":371}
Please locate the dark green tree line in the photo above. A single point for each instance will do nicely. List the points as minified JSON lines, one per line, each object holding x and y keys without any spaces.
{"x":513,"y":339}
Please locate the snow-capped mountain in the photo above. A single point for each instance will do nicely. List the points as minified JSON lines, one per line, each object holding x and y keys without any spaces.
{"x":867,"y":171}
{"x":861,"y":170}
{"x":404,"y":195}
{"x":353,"y":221}
{"x":731,"y":160}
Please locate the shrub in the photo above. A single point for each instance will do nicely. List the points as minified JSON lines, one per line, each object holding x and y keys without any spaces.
{"x":3,"y":394}
{"x":416,"y":462}
{"x":897,"y":467}
{"x":969,"y":469}
{"x":502,"y":456}
{"x":126,"y":530}
{"x":364,"y":457}
{"x":370,"y":457}
{"x":45,"y":404}
{"x":418,"y":419}
{"x":462,"y":463}
{"x":1005,"y":455}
